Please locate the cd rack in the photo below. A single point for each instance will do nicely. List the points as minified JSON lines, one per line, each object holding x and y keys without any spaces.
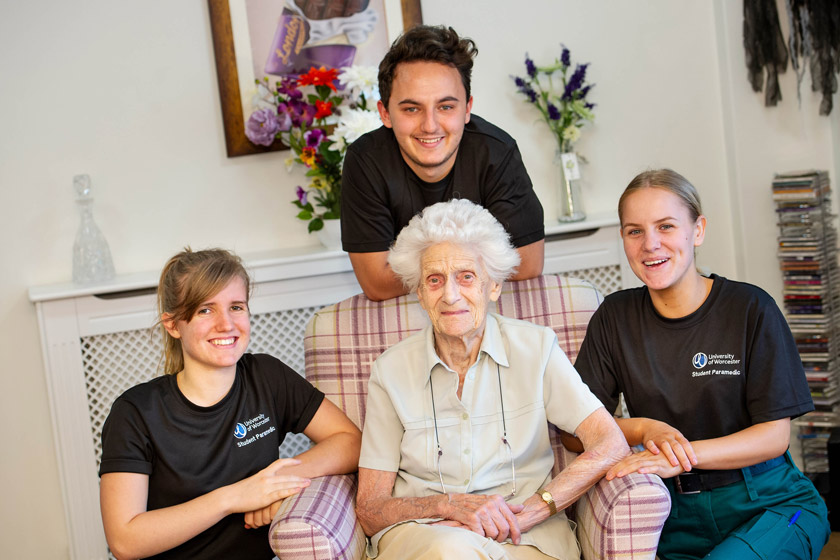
{"x":807,"y":251}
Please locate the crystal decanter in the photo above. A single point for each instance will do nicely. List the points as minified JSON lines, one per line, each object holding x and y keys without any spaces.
{"x":92,"y":262}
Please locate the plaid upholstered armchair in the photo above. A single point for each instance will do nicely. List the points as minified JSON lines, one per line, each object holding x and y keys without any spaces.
{"x":617,"y":519}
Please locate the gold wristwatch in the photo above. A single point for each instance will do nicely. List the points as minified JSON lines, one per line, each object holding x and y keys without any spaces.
{"x":545,"y":495}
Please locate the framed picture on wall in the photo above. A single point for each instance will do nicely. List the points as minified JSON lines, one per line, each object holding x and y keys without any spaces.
{"x":256,"y":39}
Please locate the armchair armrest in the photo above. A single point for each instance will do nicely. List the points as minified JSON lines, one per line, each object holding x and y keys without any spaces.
{"x":622,"y":518}
{"x":319,"y":522}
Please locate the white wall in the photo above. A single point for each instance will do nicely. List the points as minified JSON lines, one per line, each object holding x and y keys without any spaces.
{"x":657,"y":92}
{"x":127,"y":93}
{"x":764,"y":140}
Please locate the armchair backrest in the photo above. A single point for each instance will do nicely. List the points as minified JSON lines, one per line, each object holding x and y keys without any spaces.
{"x":343,"y":340}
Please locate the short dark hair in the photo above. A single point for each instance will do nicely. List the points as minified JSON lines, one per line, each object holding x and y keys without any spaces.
{"x":431,"y":43}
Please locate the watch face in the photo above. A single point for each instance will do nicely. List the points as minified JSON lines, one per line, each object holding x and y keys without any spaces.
{"x":546,"y":496}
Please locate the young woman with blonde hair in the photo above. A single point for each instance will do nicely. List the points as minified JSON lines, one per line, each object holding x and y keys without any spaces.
{"x":711,"y":376}
{"x":190,"y":464}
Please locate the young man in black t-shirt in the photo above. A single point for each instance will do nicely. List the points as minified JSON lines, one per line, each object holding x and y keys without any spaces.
{"x":431,"y":150}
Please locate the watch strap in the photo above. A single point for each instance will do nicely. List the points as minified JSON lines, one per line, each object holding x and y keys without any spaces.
{"x":546,"y":496}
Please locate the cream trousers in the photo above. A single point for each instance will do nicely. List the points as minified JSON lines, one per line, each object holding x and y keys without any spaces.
{"x":417,"y":541}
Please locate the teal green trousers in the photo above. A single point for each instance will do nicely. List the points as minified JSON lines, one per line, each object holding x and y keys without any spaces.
{"x":777,"y":514}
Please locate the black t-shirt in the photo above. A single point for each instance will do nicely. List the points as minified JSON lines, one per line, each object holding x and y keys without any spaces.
{"x":730,"y":364}
{"x":380,"y":193}
{"x":189,"y":450}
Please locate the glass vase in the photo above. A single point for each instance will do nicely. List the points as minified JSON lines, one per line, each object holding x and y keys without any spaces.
{"x":330,"y":235}
{"x":92,"y":262}
{"x":570,"y":206}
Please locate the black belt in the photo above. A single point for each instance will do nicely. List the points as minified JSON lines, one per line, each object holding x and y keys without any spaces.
{"x":694,"y":482}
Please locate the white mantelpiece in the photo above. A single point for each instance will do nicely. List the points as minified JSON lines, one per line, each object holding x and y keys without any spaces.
{"x":285,"y":264}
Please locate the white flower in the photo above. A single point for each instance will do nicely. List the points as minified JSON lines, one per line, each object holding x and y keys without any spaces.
{"x":361,"y":79}
{"x":262,"y":98}
{"x":352,"y":124}
{"x":571,"y":133}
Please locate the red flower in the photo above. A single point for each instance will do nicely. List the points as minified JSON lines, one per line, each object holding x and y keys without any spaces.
{"x":324,"y":109}
{"x":319,"y":77}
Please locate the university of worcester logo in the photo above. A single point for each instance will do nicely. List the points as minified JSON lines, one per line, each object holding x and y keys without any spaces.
{"x":240,"y":431}
{"x":700,"y":360}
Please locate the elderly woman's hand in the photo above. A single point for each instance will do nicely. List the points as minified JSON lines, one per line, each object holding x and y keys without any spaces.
{"x":645,"y":462}
{"x":659,"y":437}
{"x":489,"y":516}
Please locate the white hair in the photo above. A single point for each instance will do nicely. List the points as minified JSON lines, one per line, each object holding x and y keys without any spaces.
{"x":462,"y":223}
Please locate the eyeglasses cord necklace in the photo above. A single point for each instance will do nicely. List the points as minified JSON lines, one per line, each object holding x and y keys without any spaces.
{"x":504,"y":435}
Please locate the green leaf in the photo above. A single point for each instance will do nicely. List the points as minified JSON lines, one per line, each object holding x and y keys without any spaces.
{"x":304,"y":215}
{"x":580,"y":109}
{"x":330,"y":215}
{"x":316,"y":224}
{"x":308,"y":206}
{"x":330,"y":156}
{"x":294,"y":144}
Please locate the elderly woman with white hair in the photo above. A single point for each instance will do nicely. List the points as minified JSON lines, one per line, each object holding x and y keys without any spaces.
{"x":456,"y":460}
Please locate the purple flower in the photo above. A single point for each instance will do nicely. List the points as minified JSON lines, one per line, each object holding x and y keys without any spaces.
{"x":314,"y":137}
{"x":297,"y":112}
{"x":301,"y":195}
{"x":308,"y":114}
{"x":290,"y":111}
{"x":288,"y":87}
{"x":301,"y":113}
{"x":565,"y":58}
{"x":285,"y":121}
{"x":589,"y":106}
{"x":532,"y":95}
{"x":262,"y":127}
{"x":584,"y":92}
{"x":580,"y":75}
{"x":575,"y":82}
{"x":553,"y":112}
{"x":530,"y":67}
{"x":525,"y":88}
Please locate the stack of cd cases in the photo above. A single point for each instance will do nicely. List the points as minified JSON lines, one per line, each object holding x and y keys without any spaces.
{"x":808,"y":259}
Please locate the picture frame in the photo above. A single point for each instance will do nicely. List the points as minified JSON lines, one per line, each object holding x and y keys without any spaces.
{"x":400,"y":15}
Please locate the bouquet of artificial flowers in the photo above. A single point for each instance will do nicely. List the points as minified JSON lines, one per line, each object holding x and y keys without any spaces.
{"x":318,"y":127}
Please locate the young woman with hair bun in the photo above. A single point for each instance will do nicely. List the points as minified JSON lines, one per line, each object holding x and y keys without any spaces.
{"x":711,"y":377}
